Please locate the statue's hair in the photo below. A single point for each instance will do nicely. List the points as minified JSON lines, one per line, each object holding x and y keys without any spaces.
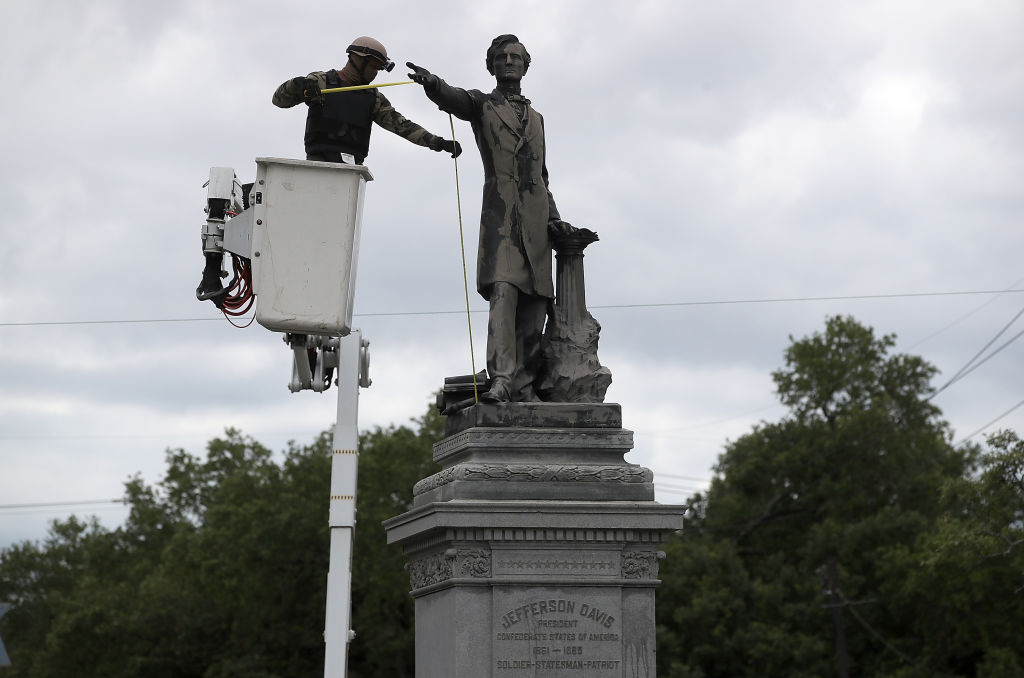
{"x":498,"y":43}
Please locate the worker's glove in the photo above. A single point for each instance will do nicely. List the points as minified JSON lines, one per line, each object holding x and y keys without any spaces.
{"x":422,"y":76}
{"x":311,"y":93}
{"x":440,"y":144}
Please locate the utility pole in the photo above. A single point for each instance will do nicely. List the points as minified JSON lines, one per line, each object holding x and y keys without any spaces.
{"x":5,"y":661}
{"x":832,"y":588}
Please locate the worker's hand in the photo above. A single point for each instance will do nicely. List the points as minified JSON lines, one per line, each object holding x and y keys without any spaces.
{"x":453,"y":147}
{"x":311,"y":93}
{"x":439,"y":144}
{"x":422,"y":76}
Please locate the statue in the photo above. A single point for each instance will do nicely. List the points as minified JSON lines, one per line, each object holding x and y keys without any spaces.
{"x":518,"y":224}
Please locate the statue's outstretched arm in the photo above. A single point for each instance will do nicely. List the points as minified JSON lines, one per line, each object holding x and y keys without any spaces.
{"x":449,"y":99}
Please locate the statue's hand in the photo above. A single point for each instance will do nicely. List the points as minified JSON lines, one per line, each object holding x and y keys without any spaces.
{"x":558,"y":227}
{"x":422,"y":76}
{"x":563,"y":229}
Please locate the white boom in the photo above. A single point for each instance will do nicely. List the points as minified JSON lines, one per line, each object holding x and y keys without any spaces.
{"x":298,"y":239}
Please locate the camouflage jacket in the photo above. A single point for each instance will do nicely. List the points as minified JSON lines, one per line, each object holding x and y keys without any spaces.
{"x":383,"y":113}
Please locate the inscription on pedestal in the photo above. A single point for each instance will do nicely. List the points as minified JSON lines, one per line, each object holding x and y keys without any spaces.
{"x":555,"y":631}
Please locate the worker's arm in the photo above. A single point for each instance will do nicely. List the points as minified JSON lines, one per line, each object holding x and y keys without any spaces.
{"x":385,"y":115}
{"x":300,"y":89}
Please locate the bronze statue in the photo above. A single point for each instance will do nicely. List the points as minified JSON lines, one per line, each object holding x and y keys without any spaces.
{"x":514,"y":258}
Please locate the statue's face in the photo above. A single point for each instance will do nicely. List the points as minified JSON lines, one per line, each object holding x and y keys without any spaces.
{"x":510,"y":63}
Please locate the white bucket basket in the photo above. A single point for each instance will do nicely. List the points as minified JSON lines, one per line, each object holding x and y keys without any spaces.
{"x":305,"y":244}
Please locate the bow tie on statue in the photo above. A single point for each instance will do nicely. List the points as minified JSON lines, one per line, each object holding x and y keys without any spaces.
{"x":519,"y":103}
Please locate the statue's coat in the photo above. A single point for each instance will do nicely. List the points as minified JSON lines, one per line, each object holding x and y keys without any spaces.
{"x":514,"y":243}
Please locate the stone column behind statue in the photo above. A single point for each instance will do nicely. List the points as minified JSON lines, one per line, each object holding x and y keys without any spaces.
{"x":571,"y":371}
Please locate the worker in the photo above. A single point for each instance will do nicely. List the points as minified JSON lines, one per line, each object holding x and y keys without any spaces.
{"x":338,"y":124}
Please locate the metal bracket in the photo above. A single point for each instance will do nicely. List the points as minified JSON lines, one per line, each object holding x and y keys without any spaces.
{"x":314,"y":360}
{"x":223,"y":195}
{"x":364,"y":364}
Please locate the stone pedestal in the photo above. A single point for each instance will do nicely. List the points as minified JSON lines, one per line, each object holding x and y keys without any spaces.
{"x":534,"y":551}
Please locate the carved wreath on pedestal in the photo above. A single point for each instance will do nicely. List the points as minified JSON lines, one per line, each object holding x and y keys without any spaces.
{"x":641,"y":564}
{"x":443,"y":565}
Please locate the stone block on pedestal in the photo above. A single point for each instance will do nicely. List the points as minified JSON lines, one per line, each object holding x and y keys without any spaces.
{"x":534,"y":551}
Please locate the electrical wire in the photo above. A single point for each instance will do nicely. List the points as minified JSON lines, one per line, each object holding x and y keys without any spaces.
{"x":662,"y":474}
{"x":59,"y":504}
{"x":961,"y":318}
{"x":970,"y":366}
{"x":397,"y":314}
{"x":240,"y":297}
{"x":1004,"y":414}
{"x":991,"y":355}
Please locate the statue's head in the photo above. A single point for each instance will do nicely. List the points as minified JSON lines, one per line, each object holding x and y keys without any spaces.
{"x":499,"y":45}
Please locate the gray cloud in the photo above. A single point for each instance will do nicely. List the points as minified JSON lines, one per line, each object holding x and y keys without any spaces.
{"x":723,"y":152}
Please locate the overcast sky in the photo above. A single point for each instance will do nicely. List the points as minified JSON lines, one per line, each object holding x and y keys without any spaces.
{"x":736,"y":158}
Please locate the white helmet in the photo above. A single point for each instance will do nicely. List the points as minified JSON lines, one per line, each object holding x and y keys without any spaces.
{"x":368,"y":47}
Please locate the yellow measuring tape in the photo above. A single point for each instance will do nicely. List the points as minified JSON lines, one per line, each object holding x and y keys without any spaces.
{"x":458,"y":200}
{"x":332,"y":90}
{"x":465,"y":275}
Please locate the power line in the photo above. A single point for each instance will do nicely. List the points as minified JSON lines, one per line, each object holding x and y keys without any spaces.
{"x":659,"y":431}
{"x":394,"y":314}
{"x":790,"y":299}
{"x":668,"y":490}
{"x":59,"y":504}
{"x":110,"y":322}
{"x":961,"y":318}
{"x":678,"y":477}
{"x":991,"y":355}
{"x":968,"y":368}
{"x":1006,"y":413}
{"x":148,"y":436}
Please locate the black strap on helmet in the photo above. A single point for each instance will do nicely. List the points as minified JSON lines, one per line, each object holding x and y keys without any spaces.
{"x":386,"y":64}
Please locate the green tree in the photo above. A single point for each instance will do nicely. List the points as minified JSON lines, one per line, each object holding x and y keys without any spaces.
{"x":390,"y":462}
{"x":219,"y":570}
{"x":790,"y":560}
{"x":966,"y":590}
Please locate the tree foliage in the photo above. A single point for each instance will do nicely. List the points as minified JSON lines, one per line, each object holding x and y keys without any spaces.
{"x":219,"y":570}
{"x":851,"y":533}
{"x":848,"y":538}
